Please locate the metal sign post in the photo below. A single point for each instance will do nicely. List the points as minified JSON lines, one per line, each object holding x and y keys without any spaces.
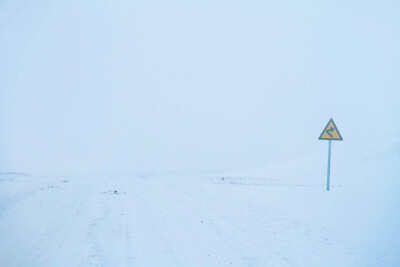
{"x":330,"y":133}
{"x":329,"y":166}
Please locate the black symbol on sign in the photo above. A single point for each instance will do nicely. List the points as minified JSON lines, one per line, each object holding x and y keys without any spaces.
{"x":329,"y":131}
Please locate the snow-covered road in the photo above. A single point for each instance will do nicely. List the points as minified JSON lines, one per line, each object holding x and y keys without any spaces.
{"x":196,"y":220}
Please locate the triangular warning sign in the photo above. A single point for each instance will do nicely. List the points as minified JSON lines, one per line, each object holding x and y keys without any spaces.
{"x":330,"y":132}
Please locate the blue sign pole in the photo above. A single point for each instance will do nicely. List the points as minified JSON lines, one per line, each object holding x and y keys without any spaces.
{"x":329,"y":165}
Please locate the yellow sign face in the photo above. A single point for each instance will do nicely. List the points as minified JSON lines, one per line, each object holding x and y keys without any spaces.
{"x":331,"y":132}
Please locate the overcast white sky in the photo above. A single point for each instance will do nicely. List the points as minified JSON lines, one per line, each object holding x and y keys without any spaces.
{"x":173,"y":85}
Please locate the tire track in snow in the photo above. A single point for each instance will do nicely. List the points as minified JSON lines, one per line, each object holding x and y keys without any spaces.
{"x":52,"y":232}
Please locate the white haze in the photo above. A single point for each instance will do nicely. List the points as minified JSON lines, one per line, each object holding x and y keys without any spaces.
{"x":177,"y":86}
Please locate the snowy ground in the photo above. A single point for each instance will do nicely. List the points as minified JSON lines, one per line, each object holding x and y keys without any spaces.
{"x":279,"y":215}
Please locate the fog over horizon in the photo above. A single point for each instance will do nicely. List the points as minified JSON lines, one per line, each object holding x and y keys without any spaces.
{"x":178,"y":86}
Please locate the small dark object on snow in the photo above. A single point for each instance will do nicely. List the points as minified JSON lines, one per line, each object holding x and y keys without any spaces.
{"x":115,"y":192}
{"x":223,"y":179}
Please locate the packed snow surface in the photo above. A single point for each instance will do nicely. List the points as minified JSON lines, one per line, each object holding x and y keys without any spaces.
{"x":278,"y":215}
